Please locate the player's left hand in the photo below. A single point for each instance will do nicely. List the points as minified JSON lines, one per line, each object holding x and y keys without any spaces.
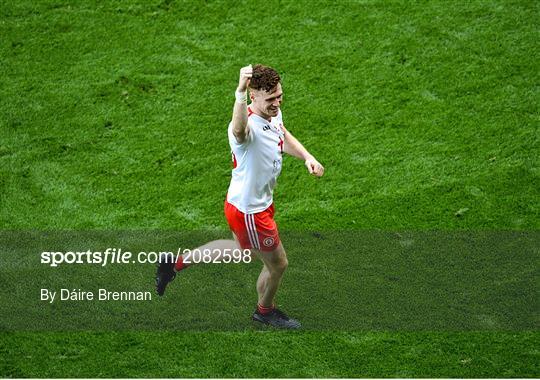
{"x":314,"y":167}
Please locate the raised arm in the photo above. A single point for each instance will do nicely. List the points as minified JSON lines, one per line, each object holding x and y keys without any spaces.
{"x":240,"y":113}
{"x":293,"y":147}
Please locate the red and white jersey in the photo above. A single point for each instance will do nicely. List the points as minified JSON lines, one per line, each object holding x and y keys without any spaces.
{"x":256,"y":163}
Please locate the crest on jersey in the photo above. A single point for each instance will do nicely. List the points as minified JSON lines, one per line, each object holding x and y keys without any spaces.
{"x":268,"y":242}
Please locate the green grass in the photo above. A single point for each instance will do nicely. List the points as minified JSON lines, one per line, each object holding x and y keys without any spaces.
{"x":373,"y":281}
{"x":270,"y":354}
{"x":425,"y":114}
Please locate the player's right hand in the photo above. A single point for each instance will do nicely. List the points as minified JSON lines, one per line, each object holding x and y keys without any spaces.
{"x":245,"y":77}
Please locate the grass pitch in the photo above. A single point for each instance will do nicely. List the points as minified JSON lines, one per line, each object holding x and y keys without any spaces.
{"x":425,"y":115}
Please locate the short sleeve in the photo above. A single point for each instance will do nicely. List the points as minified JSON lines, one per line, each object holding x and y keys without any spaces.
{"x":232,"y":138}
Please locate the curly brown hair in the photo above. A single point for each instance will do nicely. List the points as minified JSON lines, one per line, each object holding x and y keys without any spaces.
{"x":264,"y":78}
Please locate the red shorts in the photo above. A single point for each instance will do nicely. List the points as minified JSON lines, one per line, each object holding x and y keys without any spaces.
{"x":253,"y":230}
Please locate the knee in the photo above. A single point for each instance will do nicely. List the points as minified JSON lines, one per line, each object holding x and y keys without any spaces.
{"x":284,"y":264}
{"x":280,"y":266}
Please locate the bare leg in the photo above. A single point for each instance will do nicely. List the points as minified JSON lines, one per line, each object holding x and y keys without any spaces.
{"x":275,"y":263}
{"x":215,"y":249}
{"x":261,"y":282}
{"x":169,"y":265}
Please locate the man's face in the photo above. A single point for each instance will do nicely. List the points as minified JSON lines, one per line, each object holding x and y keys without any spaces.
{"x":268,"y":103}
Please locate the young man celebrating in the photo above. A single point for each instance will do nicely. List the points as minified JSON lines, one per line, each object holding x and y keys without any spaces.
{"x":258,"y":139}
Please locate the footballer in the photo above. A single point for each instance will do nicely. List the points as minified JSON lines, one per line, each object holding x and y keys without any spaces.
{"x":258,"y":139}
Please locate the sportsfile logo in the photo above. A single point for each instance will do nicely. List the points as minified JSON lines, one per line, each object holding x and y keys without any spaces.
{"x":119,"y":256}
{"x":109,"y":256}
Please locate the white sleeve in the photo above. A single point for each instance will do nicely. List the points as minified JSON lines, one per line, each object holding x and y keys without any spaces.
{"x":232,"y":138}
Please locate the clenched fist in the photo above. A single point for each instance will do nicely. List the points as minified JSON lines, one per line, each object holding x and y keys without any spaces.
{"x":245,"y":77}
{"x":314,"y":167}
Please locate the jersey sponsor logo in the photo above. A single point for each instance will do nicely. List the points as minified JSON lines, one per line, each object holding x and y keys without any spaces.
{"x":266,"y":127}
{"x":276,"y":166}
